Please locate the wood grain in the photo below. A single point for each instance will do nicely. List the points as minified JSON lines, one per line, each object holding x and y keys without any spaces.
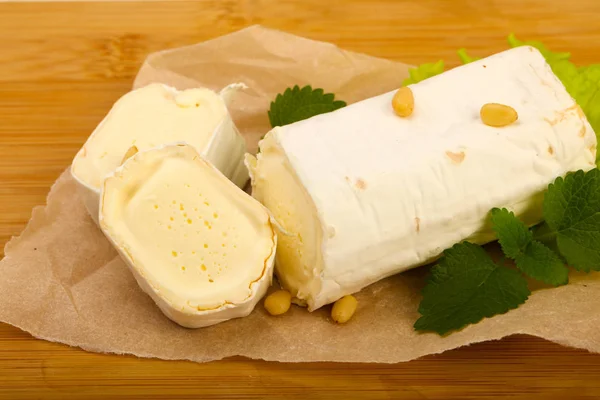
{"x":63,"y":64}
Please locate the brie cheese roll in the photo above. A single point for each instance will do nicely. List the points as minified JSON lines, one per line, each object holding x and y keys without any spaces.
{"x":155,"y":115}
{"x":202,"y":248}
{"x":364,"y":193}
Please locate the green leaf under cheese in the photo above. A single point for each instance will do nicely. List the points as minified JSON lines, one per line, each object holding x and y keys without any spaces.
{"x":532,"y":257}
{"x":467,"y":286}
{"x":572,"y":212}
{"x":423,"y":72}
{"x":296,"y":104}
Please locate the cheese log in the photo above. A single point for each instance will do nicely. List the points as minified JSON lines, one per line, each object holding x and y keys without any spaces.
{"x":201,"y":247}
{"x":364,"y":194}
{"x":155,"y":115}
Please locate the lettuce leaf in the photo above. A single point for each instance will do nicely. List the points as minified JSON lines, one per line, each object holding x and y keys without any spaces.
{"x":464,"y":57}
{"x":582,"y":83}
{"x":423,"y":72}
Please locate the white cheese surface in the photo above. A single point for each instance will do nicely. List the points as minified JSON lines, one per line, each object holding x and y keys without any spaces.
{"x":367,"y":194}
{"x":149,"y":117}
{"x":196,"y":242}
{"x":155,"y":115}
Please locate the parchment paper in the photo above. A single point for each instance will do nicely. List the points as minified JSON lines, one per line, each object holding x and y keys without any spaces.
{"x":61,"y":280}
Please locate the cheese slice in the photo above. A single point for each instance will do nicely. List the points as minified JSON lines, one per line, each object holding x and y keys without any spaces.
{"x":201,"y":247}
{"x":365,"y":194}
{"x":155,"y":115}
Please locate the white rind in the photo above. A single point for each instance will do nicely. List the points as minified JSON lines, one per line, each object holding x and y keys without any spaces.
{"x":180,"y":311}
{"x":225,"y":149}
{"x":389,"y":193}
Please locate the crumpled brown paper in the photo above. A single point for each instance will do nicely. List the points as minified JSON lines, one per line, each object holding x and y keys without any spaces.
{"x":61,"y":280}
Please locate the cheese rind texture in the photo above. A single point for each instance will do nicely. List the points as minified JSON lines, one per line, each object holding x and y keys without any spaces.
{"x":201,"y":247}
{"x":366,"y":194}
{"x":155,"y":115}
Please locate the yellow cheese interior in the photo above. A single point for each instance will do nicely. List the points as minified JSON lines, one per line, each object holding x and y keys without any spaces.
{"x":148,"y":117}
{"x":197,"y":238}
{"x":298,"y":259}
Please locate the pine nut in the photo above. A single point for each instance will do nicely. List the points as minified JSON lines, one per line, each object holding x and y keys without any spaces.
{"x":497,"y":115}
{"x":278,"y":302}
{"x":403,"y":102}
{"x":344,"y":309}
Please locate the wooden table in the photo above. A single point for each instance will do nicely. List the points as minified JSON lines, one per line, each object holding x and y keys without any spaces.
{"x":62,"y":65}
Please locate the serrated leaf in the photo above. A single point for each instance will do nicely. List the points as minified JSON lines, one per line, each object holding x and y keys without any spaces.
{"x":572,"y":211}
{"x":550,"y":56}
{"x":531,"y":257}
{"x":467,"y":286}
{"x":541,"y":263}
{"x":512,"y":234}
{"x":296,"y":104}
{"x":562,"y":67}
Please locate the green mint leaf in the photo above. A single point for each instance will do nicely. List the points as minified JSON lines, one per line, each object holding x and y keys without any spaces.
{"x":296,"y":104}
{"x":467,"y":286}
{"x":531,"y":257}
{"x":544,"y":234}
{"x":423,"y":72}
{"x":512,"y":233}
{"x":572,"y":211}
{"x":541,"y":263}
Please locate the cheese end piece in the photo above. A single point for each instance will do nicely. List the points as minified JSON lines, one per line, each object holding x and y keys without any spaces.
{"x":276,"y":185}
{"x":197,"y":244}
{"x":152,"y":116}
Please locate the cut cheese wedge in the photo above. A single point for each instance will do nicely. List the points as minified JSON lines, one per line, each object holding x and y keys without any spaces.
{"x":366,"y":194}
{"x":155,"y":115}
{"x":201,"y":247}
